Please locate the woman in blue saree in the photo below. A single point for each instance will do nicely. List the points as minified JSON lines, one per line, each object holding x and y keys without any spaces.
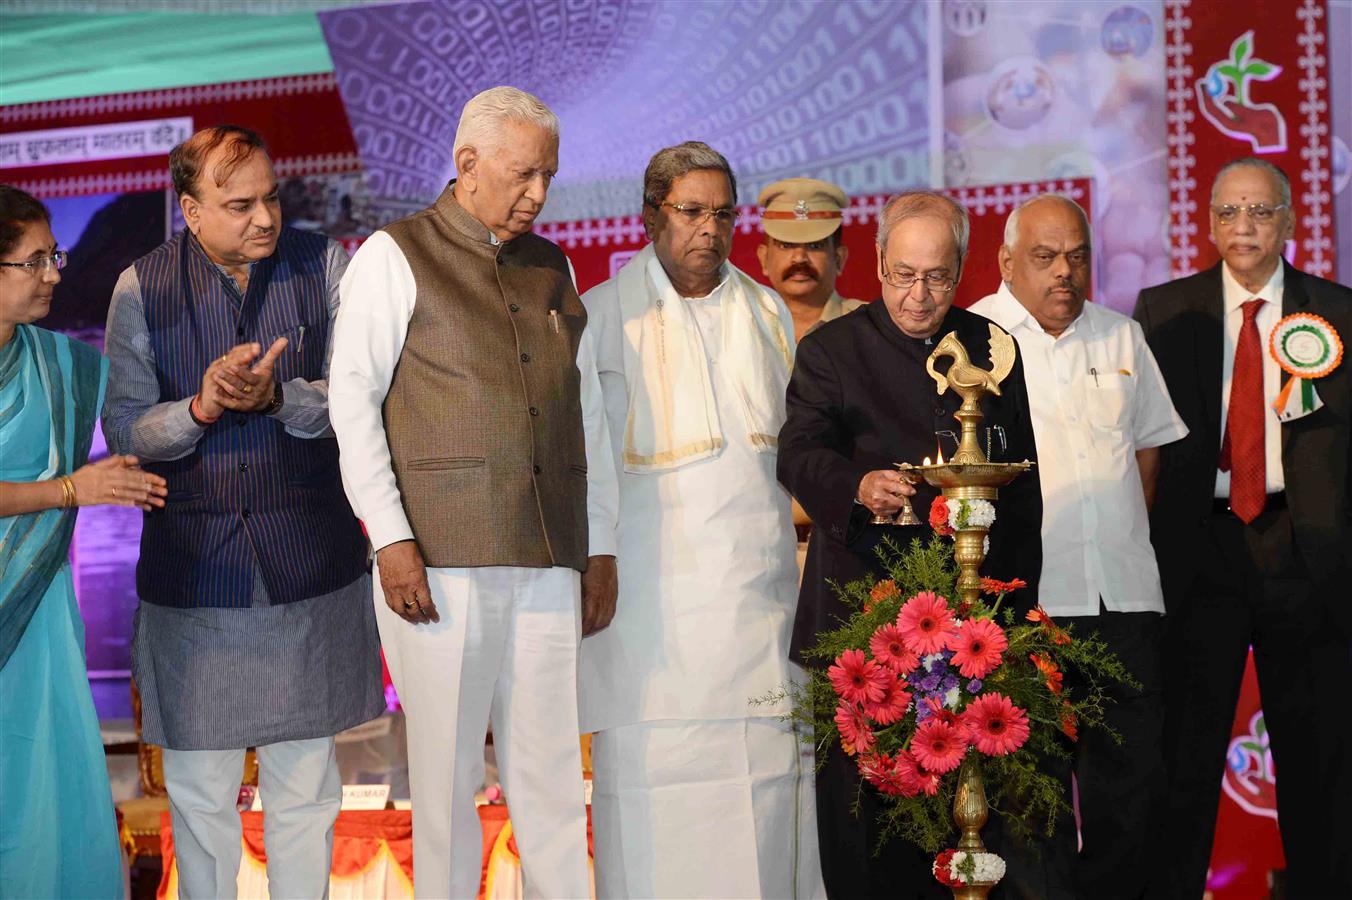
{"x":58,"y":836}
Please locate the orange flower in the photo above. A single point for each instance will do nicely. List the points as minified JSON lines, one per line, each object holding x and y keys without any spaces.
{"x":1047,"y":666}
{"x":882,"y":591}
{"x":1068,"y":723}
{"x":992,"y":586}
{"x":938,"y":516}
{"x":1038,"y":614}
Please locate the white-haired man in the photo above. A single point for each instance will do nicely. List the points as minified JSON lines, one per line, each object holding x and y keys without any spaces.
{"x":699,"y":793}
{"x":466,"y":403}
{"x":1253,"y":527}
{"x":1101,"y":412}
{"x":858,"y":403}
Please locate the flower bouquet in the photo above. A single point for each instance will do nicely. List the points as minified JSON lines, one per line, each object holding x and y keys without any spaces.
{"x":915,"y":684}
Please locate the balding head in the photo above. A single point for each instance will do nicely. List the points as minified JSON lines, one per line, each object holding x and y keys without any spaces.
{"x":1046,"y":260}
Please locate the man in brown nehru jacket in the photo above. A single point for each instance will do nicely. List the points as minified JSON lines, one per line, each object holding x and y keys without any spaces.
{"x":466,"y":402}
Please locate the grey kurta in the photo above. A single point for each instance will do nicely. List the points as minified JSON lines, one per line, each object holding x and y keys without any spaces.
{"x":219,"y":678}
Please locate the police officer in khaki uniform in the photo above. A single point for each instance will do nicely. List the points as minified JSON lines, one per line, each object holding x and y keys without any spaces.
{"x":802,"y":254}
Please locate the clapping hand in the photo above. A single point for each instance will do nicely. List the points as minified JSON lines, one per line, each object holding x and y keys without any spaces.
{"x":240,"y":384}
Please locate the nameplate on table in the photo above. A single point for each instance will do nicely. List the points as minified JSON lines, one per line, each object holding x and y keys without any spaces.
{"x":355,"y":796}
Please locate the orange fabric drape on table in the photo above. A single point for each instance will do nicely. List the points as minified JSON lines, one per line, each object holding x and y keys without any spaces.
{"x":358,"y":839}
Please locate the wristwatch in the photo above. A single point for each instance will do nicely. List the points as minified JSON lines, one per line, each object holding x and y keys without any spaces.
{"x":277,"y":399}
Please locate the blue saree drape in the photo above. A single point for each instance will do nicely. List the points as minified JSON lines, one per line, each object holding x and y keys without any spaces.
{"x":58,"y":834}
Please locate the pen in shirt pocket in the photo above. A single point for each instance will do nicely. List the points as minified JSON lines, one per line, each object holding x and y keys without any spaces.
{"x":300,"y":339}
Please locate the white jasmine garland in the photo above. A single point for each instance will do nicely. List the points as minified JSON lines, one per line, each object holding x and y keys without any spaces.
{"x":985,"y":868}
{"x":979,"y":513}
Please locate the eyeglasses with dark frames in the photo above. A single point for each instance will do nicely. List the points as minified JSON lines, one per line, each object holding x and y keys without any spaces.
{"x":56,"y":261}
{"x":937,"y":282}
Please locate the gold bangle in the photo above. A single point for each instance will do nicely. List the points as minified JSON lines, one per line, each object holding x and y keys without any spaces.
{"x":68,"y":498}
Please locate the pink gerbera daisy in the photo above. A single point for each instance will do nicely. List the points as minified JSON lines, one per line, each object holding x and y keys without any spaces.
{"x":995,"y":724}
{"x":926,"y":781}
{"x":908,"y":774}
{"x":926,"y":623}
{"x":873,"y":765}
{"x":977,"y":647}
{"x":893,"y":705}
{"x":889,"y":648}
{"x":939,"y":745}
{"x":857,"y":679}
{"x":892,"y":783}
{"x":855,"y":734}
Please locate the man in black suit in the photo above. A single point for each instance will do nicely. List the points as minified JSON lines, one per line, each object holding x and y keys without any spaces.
{"x":859,"y":401}
{"x":1252,"y":524}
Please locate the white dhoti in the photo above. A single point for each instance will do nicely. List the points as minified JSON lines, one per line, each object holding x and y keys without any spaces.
{"x":505,"y":649}
{"x":718,"y":809}
{"x":699,"y":790}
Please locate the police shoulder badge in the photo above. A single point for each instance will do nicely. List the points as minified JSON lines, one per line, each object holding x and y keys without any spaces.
{"x":1307,"y":347}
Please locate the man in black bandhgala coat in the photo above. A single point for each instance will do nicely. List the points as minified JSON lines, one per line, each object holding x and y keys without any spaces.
{"x":860,"y":401}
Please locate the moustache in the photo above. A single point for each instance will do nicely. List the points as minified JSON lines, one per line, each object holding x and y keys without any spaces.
{"x":802,"y":269}
{"x":267,"y":232}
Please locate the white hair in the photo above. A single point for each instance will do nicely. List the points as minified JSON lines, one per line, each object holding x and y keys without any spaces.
{"x":1283,"y":183}
{"x":483,"y":116}
{"x":1012,"y":223}
{"x":922,"y":204}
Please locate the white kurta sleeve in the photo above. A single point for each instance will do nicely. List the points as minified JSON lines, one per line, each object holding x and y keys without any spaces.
{"x":1155,"y":422}
{"x":378,"y":294}
{"x":603,"y":483}
{"x":603,"y":489}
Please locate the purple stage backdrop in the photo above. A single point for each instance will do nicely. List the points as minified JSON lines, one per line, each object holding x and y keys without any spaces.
{"x":836,"y":90}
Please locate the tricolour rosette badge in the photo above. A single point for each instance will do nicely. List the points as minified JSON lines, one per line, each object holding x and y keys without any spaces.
{"x":1307,"y":347}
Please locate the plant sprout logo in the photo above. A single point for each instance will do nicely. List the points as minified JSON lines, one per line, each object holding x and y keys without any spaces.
{"x":1224,"y":98}
{"x":1250,"y":779}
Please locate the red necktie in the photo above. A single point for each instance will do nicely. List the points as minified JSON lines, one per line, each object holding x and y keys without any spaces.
{"x":1244,"y":452}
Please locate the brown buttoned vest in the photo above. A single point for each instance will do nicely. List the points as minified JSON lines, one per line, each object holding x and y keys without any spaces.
{"x":484,"y":417}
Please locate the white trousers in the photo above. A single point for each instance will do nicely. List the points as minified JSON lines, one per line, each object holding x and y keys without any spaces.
{"x":506,"y":649}
{"x":709,"y":809}
{"x":302,"y":792}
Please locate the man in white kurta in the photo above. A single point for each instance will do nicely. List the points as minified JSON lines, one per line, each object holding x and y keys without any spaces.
{"x":467,"y":406}
{"x":1100,"y":412}
{"x":698,"y":791}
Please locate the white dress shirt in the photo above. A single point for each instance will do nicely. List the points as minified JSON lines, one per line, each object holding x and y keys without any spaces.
{"x":1268,"y":316}
{"x":378,"y":297}
{"x":1097,"y":397}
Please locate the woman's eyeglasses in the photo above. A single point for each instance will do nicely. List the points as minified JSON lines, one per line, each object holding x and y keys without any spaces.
{"x":38,"y":266}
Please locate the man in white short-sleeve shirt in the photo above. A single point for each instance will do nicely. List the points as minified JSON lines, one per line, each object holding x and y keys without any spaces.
{"x":1100,"y":413}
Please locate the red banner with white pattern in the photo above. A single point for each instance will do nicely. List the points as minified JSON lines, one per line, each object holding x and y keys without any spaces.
{"x":599,"y":247}
{"x":1249,"y":80}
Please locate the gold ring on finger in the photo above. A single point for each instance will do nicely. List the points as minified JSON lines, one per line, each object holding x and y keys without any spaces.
{"x":409,"y":604}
